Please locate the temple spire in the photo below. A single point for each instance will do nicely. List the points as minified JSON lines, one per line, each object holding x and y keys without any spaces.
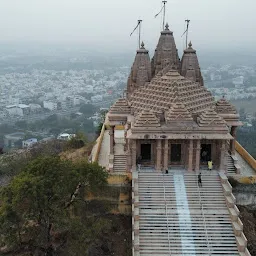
{"x":140,"y":72}
{"x":190,"y":66}
{"x":166,"y":54}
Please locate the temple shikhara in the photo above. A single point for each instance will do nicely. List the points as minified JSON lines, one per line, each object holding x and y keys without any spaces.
{"x":164,"y":132}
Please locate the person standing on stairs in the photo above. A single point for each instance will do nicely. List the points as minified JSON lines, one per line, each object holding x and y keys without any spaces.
{"x":210,"y":165}
{"x":200,"y":180}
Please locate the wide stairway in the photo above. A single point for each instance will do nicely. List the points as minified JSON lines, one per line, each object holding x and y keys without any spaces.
{"x":178,"y":218}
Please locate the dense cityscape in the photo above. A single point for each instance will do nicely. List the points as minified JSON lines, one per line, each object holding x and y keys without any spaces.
{"x":78,"y":92}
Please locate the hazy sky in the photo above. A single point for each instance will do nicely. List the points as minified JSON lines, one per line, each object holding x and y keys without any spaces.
{"x":108,"y":23}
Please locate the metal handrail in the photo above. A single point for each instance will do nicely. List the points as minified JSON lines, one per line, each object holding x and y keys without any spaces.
{"x":202,"y":209}
{"x":166,"y":213}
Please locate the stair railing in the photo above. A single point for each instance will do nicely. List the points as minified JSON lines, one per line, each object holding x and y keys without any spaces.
{"x":202,"y":210}
{"x":166,"y":213}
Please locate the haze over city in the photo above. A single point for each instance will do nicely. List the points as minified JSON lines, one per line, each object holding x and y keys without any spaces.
{"x":111,"y":146}
{"x":104,"y":24}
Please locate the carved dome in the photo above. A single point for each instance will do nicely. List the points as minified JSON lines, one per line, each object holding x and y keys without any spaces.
{"x":146,"y":118}
{"x":225,"y":107}
{"x":163,"y":91}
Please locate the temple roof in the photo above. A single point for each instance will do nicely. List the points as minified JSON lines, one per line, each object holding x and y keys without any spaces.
{"x":166,"y":53}
{"x":225,"y":107}
{"x":146,"y":118}
{"x":160,"y":94}
{"x":178,"y":112}
{"x":140,"y":71}
{"x":120,"y":107}
{"x":210,"y":118}
{"x":190,"y":66}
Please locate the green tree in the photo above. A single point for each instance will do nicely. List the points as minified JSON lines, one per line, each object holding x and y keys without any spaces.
{"x":21,"y":124}
{"x":38,"y":202}
{"x":51,"y":119}
{"x":87,"y":109}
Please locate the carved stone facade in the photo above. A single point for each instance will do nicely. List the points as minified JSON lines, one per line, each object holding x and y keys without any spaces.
{"x":171,"y":119}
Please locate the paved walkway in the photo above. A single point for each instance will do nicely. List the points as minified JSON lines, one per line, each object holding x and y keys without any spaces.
{"x":246,"y":169}
{"x":105,"y":147}
{"x":105,"y":150}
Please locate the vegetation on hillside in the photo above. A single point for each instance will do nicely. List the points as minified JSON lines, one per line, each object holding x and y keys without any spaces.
{"x":41,"y":209}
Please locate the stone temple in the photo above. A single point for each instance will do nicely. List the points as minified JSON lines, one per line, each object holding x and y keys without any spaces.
{"x":164,"y":132}
{"x":170,"y":117}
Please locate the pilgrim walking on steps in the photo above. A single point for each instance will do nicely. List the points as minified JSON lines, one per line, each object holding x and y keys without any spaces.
{"x":200,"y":180}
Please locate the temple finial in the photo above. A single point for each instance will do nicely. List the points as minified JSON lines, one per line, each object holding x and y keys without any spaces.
{"x":190,"y":45}
{"x":142,"y":45}
{"x":167,"y":26}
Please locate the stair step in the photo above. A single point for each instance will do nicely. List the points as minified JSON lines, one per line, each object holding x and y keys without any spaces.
{"x":178,"y":218}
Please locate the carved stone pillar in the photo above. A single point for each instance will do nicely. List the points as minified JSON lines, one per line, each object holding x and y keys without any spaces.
{"x":232,"y":142}
{"x":134,"y":154}
{"x":158,"y":155}
{"x":190,"y":156}
{"x":166,"y":154}
{"x":213,"y":158}
{"x":183,"y":153}
{"x":125,"y":141}
{"x":170,"y":152}
{"x":112,"y":138}
{"x":129,"y":156}
{"x":198,"y":151}
{"x":222,"y":156}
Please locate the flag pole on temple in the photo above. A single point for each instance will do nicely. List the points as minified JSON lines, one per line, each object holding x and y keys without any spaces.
{"x":162,"y":9}
{"x":186,"y":32}
{"x":138,"y":26}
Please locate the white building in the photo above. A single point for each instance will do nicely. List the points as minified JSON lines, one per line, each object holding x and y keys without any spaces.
{"x":18,"y":110}
{"x":50,"y":105}
{"x":65,"y":136}
{"x":25,"y":108}
{"x":35,"y":108}
{"x":28,"y":143}
{"x":11,"y":139}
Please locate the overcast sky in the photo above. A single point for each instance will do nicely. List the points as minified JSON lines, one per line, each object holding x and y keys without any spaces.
{"x":108,"y":23}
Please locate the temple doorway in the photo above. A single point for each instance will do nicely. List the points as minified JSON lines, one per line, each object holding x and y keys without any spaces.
{"x":206,"y":152}
{"x":176,"y":153}
{"x":145,"y":152}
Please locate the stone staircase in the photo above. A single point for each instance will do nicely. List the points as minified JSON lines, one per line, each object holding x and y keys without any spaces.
{"x":119,"y":163}
{"x":231,"y":170}
{"x":172,"y":216}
